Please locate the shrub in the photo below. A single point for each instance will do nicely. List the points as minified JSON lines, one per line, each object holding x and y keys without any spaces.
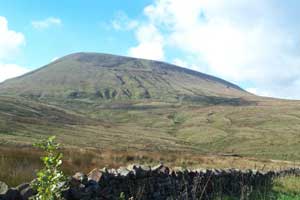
{"x":50,"y":181}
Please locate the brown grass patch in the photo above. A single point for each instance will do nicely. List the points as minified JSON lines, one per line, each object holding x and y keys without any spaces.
{"x":19,"y":165}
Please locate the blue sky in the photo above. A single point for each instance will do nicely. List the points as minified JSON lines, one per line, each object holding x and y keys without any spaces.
{"x":84,"y":27}
{"x":255,"y":44}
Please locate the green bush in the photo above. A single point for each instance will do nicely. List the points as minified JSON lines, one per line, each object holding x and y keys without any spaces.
{"x":50,"y":181}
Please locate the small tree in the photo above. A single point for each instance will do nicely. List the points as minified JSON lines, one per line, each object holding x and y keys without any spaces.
{"x":50,"y":181}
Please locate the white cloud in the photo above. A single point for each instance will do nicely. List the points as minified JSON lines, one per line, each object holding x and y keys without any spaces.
{"x":46,"y":23}
{"x":150,"y":45}
{"x":11,"y":70}
{"x":10,"y":43}
{"x":241,"y":41}
{"x":181,"y":63}
{"x":122,"y":22}
{"x":54,"y":59}
{"x":259,"y":92}
{"x":252,"y":90}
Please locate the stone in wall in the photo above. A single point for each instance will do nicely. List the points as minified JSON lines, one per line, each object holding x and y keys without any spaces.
{"x":157,"y":183}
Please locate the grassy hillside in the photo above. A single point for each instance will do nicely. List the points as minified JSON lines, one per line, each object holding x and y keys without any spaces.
{"x":269,"y":129}
{"x":105,"y":77}
{"x":110,"y":102}
{"x":23,"y":122}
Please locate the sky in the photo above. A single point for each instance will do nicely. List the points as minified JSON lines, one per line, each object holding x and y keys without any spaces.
{"x":252,"y":43}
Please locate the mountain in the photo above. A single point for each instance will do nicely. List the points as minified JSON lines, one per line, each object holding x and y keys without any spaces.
{"x":93,"y":100}
{"x":107,"y":77}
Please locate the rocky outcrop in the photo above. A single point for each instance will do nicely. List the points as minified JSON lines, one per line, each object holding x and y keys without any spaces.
{"x":158,"y":183}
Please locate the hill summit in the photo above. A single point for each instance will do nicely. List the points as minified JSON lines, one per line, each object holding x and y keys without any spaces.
{"x":105,"y":76}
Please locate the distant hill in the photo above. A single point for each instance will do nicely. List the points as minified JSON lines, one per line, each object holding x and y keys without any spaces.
{"x":103,"y":76}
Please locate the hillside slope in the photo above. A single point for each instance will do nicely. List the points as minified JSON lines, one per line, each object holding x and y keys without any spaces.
{"x":103,"y":76}
{"x":112,"y":102}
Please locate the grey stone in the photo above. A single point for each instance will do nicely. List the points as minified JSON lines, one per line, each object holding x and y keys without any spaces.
{"x":158,"y":183}
{"x":95,"y":175}
{"x":23,"y":186}
{"x":12,"y":194}
{"x":132,"y":167}
{"x":145,"y":167}
{"x":157,"y":167}
{"x":123,"y":171}
{"x":113,"y":172}
{"x":80,"y":178}
{"x":26,"y":191}
{"x":3,"y":188}
{"x":104,"y":170}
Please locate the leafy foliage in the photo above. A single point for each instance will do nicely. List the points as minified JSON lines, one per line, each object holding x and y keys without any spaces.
{"x":50,"y":180}
{"x":122,"y":196}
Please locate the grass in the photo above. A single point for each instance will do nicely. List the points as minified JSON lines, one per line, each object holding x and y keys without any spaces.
{"x":282,"y":188}
{"x":19,"y":165}
{"x":287,"y":185}
{"x":268,"y":130}
{"x":285,"y":188}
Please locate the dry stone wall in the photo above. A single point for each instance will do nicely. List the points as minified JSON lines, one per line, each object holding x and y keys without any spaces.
{"x":158,"y":183}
